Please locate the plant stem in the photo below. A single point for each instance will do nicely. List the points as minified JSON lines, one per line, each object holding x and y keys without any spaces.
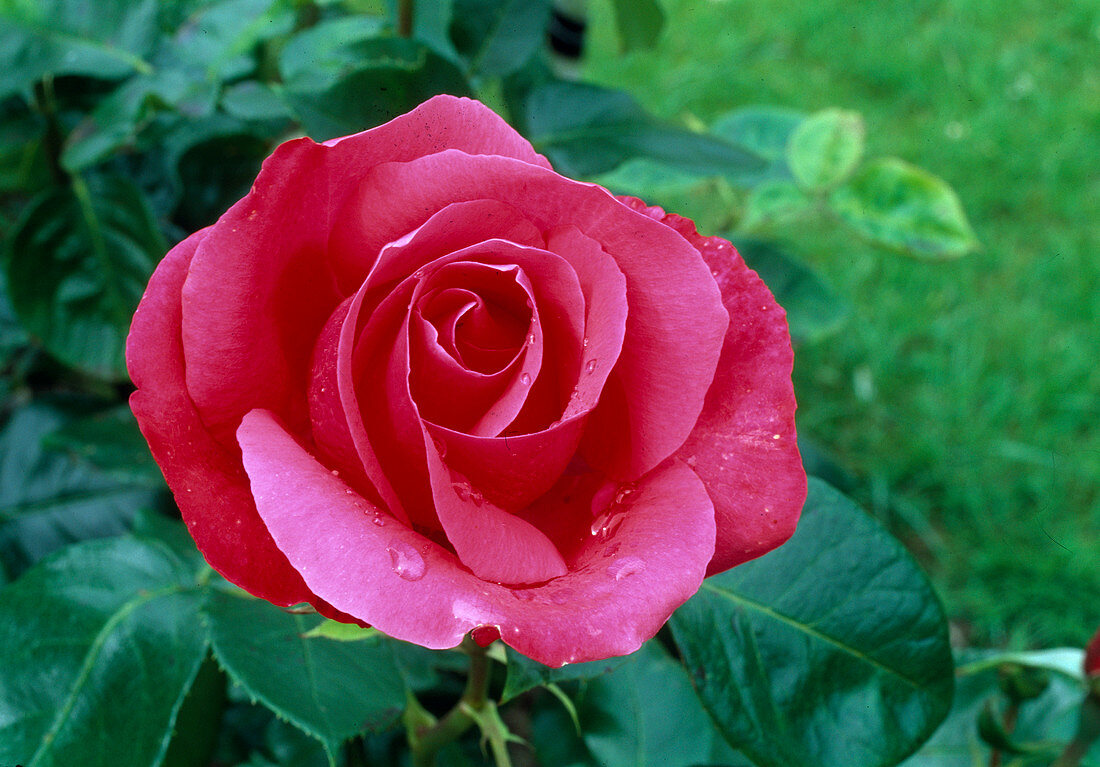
{"x":53,"y":140}
{"x":426,"y":744}
{"x":405,"y":17}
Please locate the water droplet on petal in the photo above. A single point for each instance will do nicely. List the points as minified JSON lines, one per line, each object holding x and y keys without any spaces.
{"x":531,"y":339}
{"x":419,"y":273}
{"x":691,"y":461}
{"x":621,"y":568}
{"x":335,"y":473}
{"x":525,"y":379}
{"x":606,"y":524}
{"x":406,"y":561}
{"x":584,"y":342}
{"x":378,"y":521}
{"x":590,"y":366}
{"x":624,"y":491}
{"x":462,"y":490}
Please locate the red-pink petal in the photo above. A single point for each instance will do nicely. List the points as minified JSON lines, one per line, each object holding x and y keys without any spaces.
{"x":675,"y":325}
{"x":744,"y":446}
{"x":414,"y":590}
{"x":208,"y":482}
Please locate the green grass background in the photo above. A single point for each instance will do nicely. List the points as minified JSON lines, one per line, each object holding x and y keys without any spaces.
{"x":965,"y":396}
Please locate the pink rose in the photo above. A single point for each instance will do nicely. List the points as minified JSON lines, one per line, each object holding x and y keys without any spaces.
{"x":418,"y":380}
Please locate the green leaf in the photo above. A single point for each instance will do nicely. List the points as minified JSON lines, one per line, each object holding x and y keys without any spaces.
{"x":331,"y":690}
{"x":118,"y":119}
{"x":77,"y":263}
{"x":252,"y":100}
{"x":586,"y":130}
{"x":218,"y":42}
{"x":813,"y":309}
{"x":646,"y":713}
{"x":197,"y":726}
{"x":68,"y":37}
{"x":497,"y":37}
{"x":395,"y":75}
{"x":341,"y":632}
{"x":525,"y":674}
{"x":49,"y":499}
{"x":765,"y":131}
{"x":830,"y":650}
{"x":112,"y":443}
{"x":639,"y":23}
{"x":1067,"y":661}
{"x":902,"y":207}
{"x":98,"y":647}
{"x":772,"y":203}
{"x":1049,"y":720}
{"x":825,"y":148}
{"x":317,"y":58}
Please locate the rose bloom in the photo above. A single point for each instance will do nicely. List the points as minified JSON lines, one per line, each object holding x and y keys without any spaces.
{"x":419,"y":380}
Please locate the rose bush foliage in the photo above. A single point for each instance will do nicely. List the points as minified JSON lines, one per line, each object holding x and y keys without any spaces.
{"x":419,"y":380}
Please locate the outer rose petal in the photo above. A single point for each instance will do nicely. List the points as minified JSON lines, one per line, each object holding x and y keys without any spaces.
{"x":744,"y":446}
{"x":209,"y":483}
{"x":618,"y":595}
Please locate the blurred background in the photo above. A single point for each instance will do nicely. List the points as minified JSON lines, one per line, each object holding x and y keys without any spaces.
{"x":964,"y":397}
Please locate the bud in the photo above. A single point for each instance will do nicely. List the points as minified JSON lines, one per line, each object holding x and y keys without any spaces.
{"x":1092,"y":657}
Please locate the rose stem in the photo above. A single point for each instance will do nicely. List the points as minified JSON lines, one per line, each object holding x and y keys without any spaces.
{"x":405,"y":18}
{"x":426,"y":744}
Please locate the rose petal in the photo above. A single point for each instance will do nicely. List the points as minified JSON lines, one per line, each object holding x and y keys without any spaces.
{"x":674,"y":326}
{"x":744,"y":446}
{"x":414,"y":590}
{"x":206,"y":479}
{"x":264,"y":281}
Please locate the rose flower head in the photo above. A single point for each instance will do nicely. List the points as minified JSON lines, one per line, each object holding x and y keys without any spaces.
{"x":419,"y":380}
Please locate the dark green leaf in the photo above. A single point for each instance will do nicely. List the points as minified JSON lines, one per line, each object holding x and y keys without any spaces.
{"x":331,"y":690}
{"x":825,"y":148}
{"x":317,"y":58}
{"x":77,"y":263}
{"x":48,"y":498}
{"x":525,"y":674}
{"x":395,"y":75}
{"x":813,"y":310}
{"x":830,"y":650}
{"x":585,"y":130}
{"x":70,"y":37}
{"x":23,"y":165}
{"x":902,"y":207}
{"x":111,"y":442}
{"x":432,"y":24}
{"x":764,"y":131}
{"x":497,"y":37}
{"x":252,"y":100}
{"x":646,"y":713}
{"x":151,"y":523}
{"x":98,"y":647}
{"x":118,"y":119}
{"x":639,"y":23}
{"x":198,"y":722}
{"x":217,"y":43}
{"x":1048,"y":720}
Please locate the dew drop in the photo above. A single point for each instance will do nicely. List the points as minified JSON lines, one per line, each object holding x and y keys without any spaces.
{"x":463,"y":490}
{"x":531,"y":339}
{"x":525,"y":379}
{"x":584,"y":342}
{"x":621,"y":568}
{"x":419,"y":273}
{"x":406,"y":561}
{"x":606,"y":524}
{"x":691,"y":461}
{"x":378,"y":521}
{"x":590,"y":366}
{"x":624,"y":491}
